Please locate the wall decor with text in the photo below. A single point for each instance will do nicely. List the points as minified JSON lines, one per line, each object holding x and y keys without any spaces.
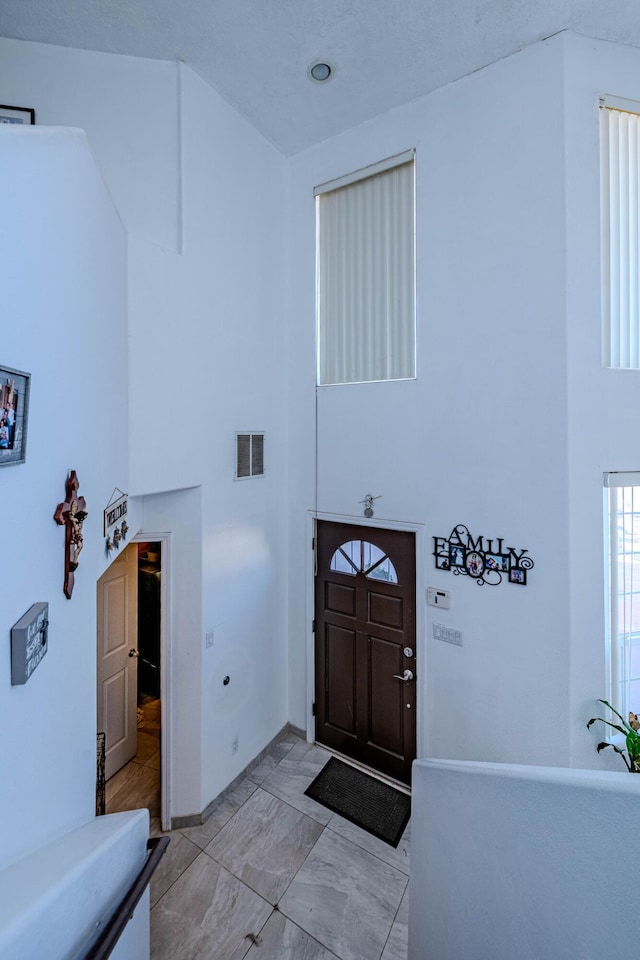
{"x":485,"y":559}
{"x":29,"y":642}
{"x":115,"y":524}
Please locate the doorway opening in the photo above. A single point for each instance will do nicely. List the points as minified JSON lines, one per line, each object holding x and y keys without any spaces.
{"x":130,"y":704}
{"x":365,"y":645}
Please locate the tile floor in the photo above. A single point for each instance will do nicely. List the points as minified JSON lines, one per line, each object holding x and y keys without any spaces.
{"x":272,"y":875}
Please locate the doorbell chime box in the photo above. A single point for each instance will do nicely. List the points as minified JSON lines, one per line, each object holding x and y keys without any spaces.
{"x":29,"y":642}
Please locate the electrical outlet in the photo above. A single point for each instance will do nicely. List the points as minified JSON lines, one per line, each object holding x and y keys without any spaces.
{"x":234,"y":745}
{"x":208,"y":638}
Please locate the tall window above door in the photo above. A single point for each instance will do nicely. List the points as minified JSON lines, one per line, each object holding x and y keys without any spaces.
{"x":365,"y":274}
{"x":620,"y":206}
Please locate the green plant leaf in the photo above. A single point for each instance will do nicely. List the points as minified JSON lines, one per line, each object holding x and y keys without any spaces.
{"x":603,"y":745}
{"x":633,"y":745}
{"x":621,"y":752}
{"x":616,"y":726}
{"x":613,"y":710}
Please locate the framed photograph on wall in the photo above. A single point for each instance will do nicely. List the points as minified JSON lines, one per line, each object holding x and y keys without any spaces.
{"x":17,"y":114}
{"x":457,"y":555}
{"x":518,"y":575}
{"x":497,"y":561}
{"x":14,"y":411}
{"x":474,"y":563}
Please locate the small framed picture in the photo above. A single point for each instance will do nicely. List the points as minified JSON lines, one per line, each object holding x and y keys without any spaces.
{"x":25,"y":115}
{"x":497,"y":561}
{"x":474,"y":563}
{"x":456,"y":555}
{"x":14,"y":410}
{"x":442,"y":562}
{"x":518,"y":575}
{"x":17,"y":114}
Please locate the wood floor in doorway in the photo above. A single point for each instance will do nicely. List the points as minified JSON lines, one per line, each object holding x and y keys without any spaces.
{"x":137,"y":784}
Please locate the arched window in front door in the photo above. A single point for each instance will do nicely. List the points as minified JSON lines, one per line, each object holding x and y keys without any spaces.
{"x":360,"y":556}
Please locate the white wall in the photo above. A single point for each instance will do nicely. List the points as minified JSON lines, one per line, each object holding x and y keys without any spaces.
{"x":484,"y":427}
{"x":603,"y":403}
{"x":128,"y":107}
{"x":207,"y":354}
{"x":510,"y":861}
{"x":63,"y":253}
{"x":180,"y":512}
{"x":232,"y":323}
{"x":202,"y":196}
{"x":480,"y":437}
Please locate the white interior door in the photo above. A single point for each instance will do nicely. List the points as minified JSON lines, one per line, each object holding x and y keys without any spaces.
{"x":118,"y":658}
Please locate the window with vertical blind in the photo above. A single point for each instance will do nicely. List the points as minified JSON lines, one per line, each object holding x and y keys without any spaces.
{"x":365,"y":261}
{"x":622,"y":539}
{"x":620,"y":204}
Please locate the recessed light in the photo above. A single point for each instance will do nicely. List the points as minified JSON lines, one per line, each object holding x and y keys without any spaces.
{"x":320,"y":71}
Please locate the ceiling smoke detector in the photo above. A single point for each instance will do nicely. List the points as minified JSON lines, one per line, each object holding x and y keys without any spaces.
{"x":320,"y":71}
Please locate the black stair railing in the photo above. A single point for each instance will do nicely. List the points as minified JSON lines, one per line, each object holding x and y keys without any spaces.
{"x":103,"y":947}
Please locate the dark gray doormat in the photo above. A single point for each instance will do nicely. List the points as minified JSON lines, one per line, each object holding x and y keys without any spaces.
{"x":376,"y":807}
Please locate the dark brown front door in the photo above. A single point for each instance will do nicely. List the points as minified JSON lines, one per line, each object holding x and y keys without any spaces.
{"x":365,"y":645}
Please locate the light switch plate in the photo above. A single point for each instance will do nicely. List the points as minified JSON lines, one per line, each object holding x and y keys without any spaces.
{"x":448,"y":634}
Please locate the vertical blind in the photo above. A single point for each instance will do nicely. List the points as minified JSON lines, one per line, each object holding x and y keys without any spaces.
{"x":366,"y":278}
{"x":620,"y":225}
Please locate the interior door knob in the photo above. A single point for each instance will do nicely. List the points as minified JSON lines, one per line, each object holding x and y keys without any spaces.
{"x":407,"y":675}
{"x":134,"y":653}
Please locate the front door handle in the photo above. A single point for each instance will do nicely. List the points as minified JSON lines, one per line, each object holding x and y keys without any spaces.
{"x":133,"y":653}
{"x":407,"y":675}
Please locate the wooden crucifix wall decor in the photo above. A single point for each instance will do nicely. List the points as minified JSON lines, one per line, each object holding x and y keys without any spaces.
{"x":72,"y":514}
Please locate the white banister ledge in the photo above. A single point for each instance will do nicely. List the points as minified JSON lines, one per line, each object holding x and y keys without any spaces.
{"x":54,"y":902}
{"x":511,"y":861}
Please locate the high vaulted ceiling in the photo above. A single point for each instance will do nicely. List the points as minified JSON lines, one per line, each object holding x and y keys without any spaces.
{"x":256,"y":52}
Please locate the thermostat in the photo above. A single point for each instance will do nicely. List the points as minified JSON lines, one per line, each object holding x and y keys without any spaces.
{"x":438,"y":598}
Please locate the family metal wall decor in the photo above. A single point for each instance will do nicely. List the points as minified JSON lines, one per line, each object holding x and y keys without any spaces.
{"x":484,"y":559}
{"x":71,"y":514}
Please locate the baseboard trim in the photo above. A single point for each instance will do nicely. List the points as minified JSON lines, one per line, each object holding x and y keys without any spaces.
{"x":197,"y":819}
